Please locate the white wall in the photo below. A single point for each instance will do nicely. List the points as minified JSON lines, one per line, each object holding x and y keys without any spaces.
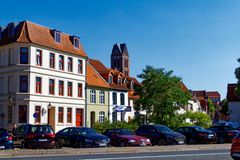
{"x":11,"y":67}
{"x":118,"y":104}
{"x":234,"y":110}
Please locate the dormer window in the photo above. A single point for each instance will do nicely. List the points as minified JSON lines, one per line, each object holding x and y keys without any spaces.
{"x":76,"y":42}
{"x":131,"y":85}
{"x":110,"y":79}
{"x":119,"y":80}
{"x":125,"y":81}
{"x":10,"y":29}
{"x":57,"y":36}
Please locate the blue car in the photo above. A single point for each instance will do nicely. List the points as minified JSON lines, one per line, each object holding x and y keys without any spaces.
{"x":6,"y":140}
{"x":81,"y":137}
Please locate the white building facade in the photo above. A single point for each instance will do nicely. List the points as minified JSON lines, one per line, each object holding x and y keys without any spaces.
{"x":118,"y":106}
{"x":41,"y":84}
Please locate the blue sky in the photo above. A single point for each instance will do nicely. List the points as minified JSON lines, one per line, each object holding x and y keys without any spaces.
{"x":198,"y":39}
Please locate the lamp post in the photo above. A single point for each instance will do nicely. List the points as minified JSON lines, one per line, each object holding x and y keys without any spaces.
{"x":11,"y":104}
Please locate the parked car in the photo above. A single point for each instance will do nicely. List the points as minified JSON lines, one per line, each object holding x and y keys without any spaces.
{"x":197,"y":134}
{"x":34,"y":136}
{"x":160,"y":134}
{"x":6,"y":140}
{"x":234,"y":125}
{"x":125,"y":137}
{"x":225,"y":134}
{"x":81,"y":137}
{"x":235,"y":148}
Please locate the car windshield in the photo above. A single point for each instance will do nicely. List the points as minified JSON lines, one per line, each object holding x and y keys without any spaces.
{"x":200,"y":129}
{"x":161,"y":128}
{"x":124,"y":132}
{"x":85,"y":131}
{"x":41,"y":129}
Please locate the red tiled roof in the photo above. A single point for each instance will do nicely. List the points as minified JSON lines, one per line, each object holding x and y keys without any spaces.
{"x":132,"y":95}
{"x":29,"y":32}
{"x":94,"y":78}
{"x":105,"y":72}
{"x":213,"y":94}
{"x":231,"y":96}
{"x":98,"y":65}
{"x":199,"y":94}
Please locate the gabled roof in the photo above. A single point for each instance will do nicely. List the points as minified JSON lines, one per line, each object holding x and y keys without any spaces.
{"x":104,"y":72}
{"x":95,"y":79}
{"x":29,"y":32}
{"x":231,"y":96}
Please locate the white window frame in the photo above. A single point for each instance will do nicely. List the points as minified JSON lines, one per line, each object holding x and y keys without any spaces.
{"x":101,"y":97}
{"x":92,"y":96}
{"x":101,"y":117}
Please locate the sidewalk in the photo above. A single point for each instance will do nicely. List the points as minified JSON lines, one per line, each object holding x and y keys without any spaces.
{"x":110,"y":150}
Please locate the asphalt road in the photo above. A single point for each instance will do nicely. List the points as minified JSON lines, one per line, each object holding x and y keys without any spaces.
{"x":180,"y":155}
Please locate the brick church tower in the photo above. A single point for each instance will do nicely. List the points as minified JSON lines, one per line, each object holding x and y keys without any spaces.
{"x":120,"y":58}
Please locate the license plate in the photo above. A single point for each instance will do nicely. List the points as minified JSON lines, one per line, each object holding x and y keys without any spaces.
{"x":42,"y":140}
{"x":236,"y":154}
{"x":102,"y":144}
{"x":180,"y":142}
{"x":2,"y":147}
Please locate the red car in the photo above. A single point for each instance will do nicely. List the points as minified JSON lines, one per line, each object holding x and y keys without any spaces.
{"x":34,"y":136}
{"x":124,"y":137}
{"x":235,"y":149}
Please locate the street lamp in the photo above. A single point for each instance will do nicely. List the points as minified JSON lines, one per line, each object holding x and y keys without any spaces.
{"x":49,"y":105}
{"x":11,"y":105}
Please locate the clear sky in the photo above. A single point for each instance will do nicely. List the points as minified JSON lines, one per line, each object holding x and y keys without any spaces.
{"x":198,"y":39}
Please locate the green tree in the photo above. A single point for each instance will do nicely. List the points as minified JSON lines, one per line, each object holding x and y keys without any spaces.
{"x":199,"y":119}
{"x":224,"y":107}
{"x":211,"y":108}
{"x":161,"y":94}
{"x":237,"y":75}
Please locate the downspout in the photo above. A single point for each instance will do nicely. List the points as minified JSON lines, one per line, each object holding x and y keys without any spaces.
{"x":85,"y":116}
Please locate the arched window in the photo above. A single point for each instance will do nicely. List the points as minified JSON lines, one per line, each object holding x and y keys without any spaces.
{"x":101,"y":116}
{"x":114,"y":98}
{"x":92,"y":96}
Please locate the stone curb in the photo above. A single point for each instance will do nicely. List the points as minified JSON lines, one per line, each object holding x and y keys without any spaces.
{"x":110,"y":150}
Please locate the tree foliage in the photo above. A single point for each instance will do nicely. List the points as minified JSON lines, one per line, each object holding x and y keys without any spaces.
{"x":224,"y":108}
{"x":161,"y":94}
{"x":237,"y":75}
{"x":102,"y":127}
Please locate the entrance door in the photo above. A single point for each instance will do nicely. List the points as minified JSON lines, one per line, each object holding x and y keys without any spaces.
{"x":79,"y":117}
{"x":92,"y":117}
{"x":51,"y":117}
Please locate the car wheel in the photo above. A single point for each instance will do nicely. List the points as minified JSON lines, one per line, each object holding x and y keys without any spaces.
{"x":122,"y":144}
{"x":162,"y":142}
{"x":220,"y":140}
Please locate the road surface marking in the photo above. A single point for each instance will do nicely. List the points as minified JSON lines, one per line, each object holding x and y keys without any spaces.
{"x":162,"y":156}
